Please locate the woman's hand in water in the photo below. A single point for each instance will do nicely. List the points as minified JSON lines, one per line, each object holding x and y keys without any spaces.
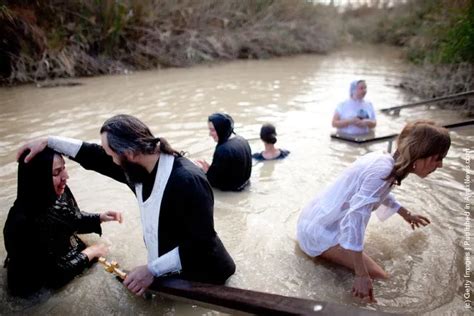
{"x":362,"y":288}
{"x":95,"y":251}
{"x":413,"y":219}
{"x":34,"y":146}
{"x":416,"y":220}
{"x":111,"y":216}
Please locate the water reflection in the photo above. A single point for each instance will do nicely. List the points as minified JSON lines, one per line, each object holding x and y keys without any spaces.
{"x":298,"y":95}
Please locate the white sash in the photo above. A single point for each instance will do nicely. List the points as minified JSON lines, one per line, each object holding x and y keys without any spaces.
{"x":150,"y":209}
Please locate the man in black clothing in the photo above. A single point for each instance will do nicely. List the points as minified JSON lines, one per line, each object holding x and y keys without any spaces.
{"x":175,"y":200}
{"x":232,"y":161}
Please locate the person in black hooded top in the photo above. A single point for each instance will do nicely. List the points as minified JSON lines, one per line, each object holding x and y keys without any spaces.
{"x":232,"y":161}
{"x":40,"y":230}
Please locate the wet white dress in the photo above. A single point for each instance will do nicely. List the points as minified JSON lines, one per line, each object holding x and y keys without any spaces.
{"x":339,"y":215}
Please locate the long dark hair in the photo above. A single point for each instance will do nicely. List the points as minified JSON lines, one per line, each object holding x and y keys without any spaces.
{"x":127,"y":133}
{"x":418,"y":140}
{"x":268,"y":133}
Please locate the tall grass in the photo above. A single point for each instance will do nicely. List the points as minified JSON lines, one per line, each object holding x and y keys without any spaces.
{"x":435,"y":31}
{"x":437,"y":36}
{"x":59,"y":38}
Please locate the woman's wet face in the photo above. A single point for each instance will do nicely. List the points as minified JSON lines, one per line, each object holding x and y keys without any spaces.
{"x":212,"y":131}
{"x":360,"y":91}
{"x":60,"y":174}
{"x":423,"y":167}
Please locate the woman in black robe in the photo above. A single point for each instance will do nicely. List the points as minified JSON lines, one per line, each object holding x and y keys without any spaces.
{"x":40,"y":231}
{"x":232,"y":161}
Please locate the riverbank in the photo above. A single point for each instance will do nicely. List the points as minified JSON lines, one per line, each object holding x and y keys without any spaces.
{"x":46,"y":40}
{"x":87,"y":38}
{"x":437,"y":37}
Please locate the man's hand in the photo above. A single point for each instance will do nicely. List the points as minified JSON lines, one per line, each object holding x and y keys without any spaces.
{"x":204,"y":165}
{"x":111,"y":216}
{"x":138,"y":280}
{"x":35,"y":146}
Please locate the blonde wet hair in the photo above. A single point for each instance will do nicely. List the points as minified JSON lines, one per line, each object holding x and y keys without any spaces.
{"x":418,"y":140}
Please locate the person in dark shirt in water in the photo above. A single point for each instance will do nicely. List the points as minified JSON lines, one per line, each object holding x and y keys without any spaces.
{"x":268,"y":136}
{"x":40,"y":233}
{"x":175,"y":200}
{"x":232,"y":161}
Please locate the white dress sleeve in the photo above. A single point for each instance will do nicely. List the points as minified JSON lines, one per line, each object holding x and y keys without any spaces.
{"x":389,"y":207}
{"x":64,"y":145}
{"x":361,"y":205}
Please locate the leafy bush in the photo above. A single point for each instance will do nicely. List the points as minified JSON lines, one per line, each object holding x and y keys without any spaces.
{"x":60,"y":38}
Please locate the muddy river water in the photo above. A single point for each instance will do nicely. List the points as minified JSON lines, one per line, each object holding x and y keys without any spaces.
{"x":258,"y":226}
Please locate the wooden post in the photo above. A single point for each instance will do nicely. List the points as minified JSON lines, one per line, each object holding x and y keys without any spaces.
{"x":389,"y":148}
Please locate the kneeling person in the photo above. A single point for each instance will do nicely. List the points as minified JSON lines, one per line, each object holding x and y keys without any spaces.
{"x":231,"y":165}
{"x":40,"y":233}
{"x":175,"y":199}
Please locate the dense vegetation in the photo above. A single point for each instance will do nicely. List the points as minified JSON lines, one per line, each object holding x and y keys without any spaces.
{"x":45,"y":39}
{"x":66,"y":38}
{"x":437,"y":35}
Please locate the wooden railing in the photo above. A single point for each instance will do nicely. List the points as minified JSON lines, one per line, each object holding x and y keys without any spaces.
{"x":391,"y":137}
{"x":459,"y":96}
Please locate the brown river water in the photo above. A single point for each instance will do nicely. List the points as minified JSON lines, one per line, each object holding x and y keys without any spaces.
{"x":258,"y":226}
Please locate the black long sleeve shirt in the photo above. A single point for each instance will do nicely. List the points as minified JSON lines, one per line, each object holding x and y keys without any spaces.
{"x":231,"y":165}
{"x":186,"y":216}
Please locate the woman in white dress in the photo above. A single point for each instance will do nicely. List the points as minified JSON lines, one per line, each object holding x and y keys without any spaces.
{"x":332,"y":226}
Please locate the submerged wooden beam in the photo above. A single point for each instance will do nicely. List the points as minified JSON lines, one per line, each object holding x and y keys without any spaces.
{"x":459,"y":124}
{"x":227,"y":298}
{"x":458,"y":96}
{"x":252,"y":302}
{"x":361,"y":139}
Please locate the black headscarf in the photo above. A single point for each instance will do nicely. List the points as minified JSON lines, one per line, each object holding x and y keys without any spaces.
{"x":35,"y":194}
{"x":223,"y":124}
{"x":35,"y":181}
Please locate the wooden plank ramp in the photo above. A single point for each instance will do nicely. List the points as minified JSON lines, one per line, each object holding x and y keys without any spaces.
{"x":369,"y":138}
{"x":453,"y":97}
{"x":459,"y":124}
{"x":362,"y":139}
{"x":230,"y":299}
